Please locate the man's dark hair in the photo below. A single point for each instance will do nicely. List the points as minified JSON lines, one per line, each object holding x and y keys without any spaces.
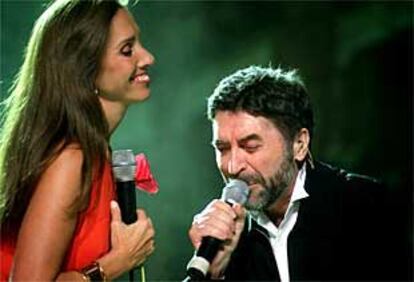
{"x":275,"y":94}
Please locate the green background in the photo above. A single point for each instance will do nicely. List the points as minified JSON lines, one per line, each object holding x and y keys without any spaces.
{"x":355,"y":57}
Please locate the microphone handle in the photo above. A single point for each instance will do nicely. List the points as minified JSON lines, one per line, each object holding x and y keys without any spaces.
{"x":209,"y":248}
{"x":127,"y":202}
{"x":198,"y":266}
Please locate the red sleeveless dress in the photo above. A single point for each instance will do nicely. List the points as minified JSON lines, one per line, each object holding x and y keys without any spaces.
{"x":91,"y":239}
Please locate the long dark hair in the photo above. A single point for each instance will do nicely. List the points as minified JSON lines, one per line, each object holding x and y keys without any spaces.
{"x":52,"y":103}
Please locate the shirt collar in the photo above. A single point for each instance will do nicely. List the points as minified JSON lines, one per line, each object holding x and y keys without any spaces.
{"x":299,"y":191}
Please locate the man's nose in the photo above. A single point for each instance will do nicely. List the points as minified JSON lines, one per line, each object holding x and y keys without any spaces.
{"x":236,"y":164}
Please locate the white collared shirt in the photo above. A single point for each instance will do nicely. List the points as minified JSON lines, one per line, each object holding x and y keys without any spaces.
{"x":279,"y":235}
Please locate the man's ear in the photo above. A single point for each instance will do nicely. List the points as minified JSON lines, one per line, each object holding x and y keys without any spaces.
{"x":301,"y":145}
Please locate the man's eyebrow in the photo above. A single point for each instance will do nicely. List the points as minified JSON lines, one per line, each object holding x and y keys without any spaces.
{"x":243,"y":140}
{"x":250,"y":137}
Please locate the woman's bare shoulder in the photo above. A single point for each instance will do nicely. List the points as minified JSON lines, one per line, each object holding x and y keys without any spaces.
{"x":62,"y":178}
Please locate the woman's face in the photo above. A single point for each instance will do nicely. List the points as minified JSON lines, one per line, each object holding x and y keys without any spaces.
{"x":122,"y":76}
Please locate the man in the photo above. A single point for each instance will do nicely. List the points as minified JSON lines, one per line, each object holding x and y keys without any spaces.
{"x":306,"y":220}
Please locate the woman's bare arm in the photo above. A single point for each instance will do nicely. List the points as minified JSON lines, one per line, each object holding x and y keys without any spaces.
{"x":50,"y":220}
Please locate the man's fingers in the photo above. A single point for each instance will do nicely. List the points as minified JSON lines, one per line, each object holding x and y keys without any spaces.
{"x":239,"y":210}
{"x":223,"y":207}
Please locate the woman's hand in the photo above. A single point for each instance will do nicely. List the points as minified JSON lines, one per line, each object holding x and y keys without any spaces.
{"x":131,"y":244}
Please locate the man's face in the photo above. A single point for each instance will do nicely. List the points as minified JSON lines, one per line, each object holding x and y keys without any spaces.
{"x":252,"y":149}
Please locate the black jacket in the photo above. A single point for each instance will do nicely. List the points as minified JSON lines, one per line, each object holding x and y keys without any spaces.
{"x":340,"y":234}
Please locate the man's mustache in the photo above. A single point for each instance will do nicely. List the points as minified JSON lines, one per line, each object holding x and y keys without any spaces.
{"x":253,"y":179}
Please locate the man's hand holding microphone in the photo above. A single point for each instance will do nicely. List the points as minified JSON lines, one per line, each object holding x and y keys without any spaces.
{"x":215,"y":232}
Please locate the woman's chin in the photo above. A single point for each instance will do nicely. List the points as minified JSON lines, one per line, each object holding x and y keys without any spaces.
{"x":140,"y":96}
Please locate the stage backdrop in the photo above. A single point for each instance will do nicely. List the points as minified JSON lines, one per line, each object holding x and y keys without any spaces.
{"x":355,"y":57}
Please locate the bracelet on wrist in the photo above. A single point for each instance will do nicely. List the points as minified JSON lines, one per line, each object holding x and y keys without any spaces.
{"x":93,"y":272}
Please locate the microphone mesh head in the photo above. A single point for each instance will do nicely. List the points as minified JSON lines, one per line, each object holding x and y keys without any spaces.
{"x":236,"y":191}
{"x":123,"y":165}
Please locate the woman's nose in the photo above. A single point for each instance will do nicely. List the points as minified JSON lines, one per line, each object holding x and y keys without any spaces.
{"x":145,"y":58}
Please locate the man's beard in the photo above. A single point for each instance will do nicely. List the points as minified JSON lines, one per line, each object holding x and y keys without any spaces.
{"x":273,"y":187}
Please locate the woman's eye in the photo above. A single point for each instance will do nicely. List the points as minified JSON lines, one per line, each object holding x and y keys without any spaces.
{"x":127,"y":50}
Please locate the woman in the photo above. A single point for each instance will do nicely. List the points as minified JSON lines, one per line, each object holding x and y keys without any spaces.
{"x":83,"y":66}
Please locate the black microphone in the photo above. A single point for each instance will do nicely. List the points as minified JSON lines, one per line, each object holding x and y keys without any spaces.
{"x":123,"y":166}
{"x":236,"y":191}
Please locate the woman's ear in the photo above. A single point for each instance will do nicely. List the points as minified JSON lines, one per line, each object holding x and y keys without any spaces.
{"x":301,"y":145}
